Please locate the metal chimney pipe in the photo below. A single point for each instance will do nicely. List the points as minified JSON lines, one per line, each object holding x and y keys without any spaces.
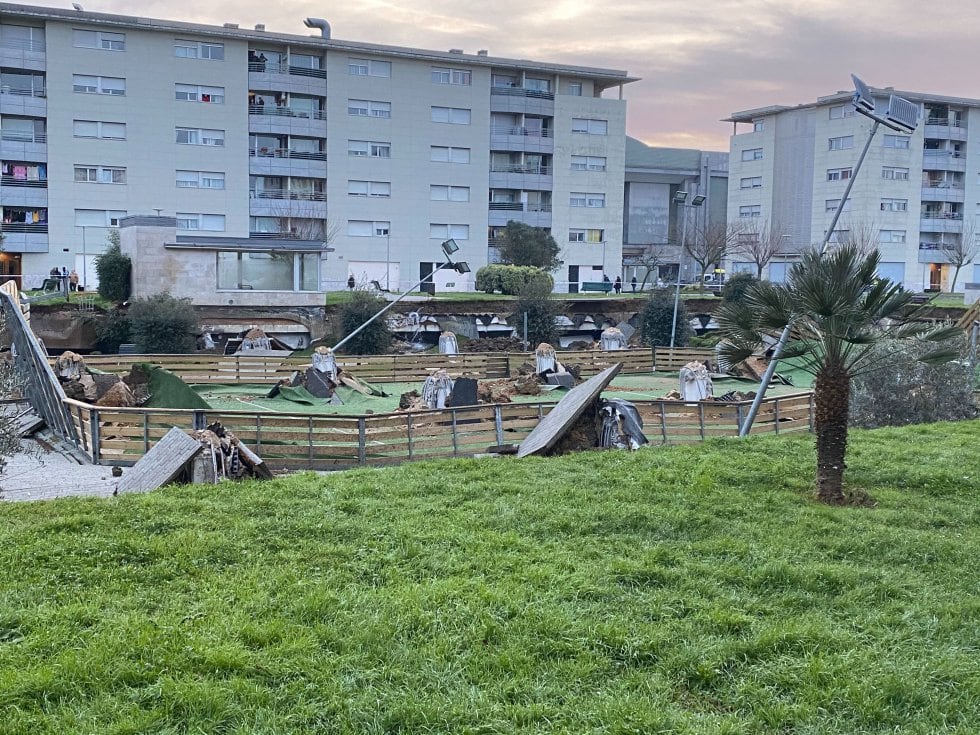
{"x":318,"y":23}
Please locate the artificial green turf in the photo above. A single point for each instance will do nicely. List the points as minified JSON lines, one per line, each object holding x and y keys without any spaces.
{"x":694,"y":589}
{"x":168,"y":390}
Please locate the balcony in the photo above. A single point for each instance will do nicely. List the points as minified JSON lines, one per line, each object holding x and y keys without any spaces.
{"x":943,"y":160}
{"x":23,"y":102}
{"x":941,"y":222}
{"x":944,"y":128}
{"x":521,"y":176}
{"x":534,"y":214}
{"x":22,"y":54}
{"x":286,"y":111}
{"x":519,"y":99}
{"x":6,"y":181}
{"x":516,"y":138}
{"x":521,"y":92}
{"x":934,"y":252}
{"x":309,"y":196}
{"x":266,"y":204}
{"x":943,"y":192}
{"x":287,"y":153}
{"x":283,"y":67}
{"x":21,"y":146}
{"x":16,"y":239}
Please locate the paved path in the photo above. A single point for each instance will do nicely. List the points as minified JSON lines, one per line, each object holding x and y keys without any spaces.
{"x":41,"y":474}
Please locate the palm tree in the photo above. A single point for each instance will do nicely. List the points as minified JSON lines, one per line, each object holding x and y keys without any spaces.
{"x":839,"y":309}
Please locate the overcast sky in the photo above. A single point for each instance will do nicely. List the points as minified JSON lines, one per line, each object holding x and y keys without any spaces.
{"x":699,"y":60}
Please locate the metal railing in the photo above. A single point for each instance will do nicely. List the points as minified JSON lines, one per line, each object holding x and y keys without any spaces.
{"x":22,"y":91}
{"x":521,"y":92}
{"x":18,"y":137}
{"x":284,"y":67}
{"x":287,"y":153}
{"x":944,"y":153}
{"x":9,"y":227}
{"x":945,"y":122}
{"x":23,"y":45}
{"x":520,"y":168}
{"x":14,"y":181}
{"x":519,"y":207}
{"x":286,"y":111}
{"x":521,"y":130}
{"x":942,"y":215}
{"x":310,"y":196}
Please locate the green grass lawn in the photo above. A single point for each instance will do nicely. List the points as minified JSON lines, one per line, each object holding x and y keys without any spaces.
{"x":692,"y":589}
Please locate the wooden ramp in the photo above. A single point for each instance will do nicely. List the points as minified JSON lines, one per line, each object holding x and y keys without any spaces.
{"x":566,"y":412}
{"x":162,"y":464}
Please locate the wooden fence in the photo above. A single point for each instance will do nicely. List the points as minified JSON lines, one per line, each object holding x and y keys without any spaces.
{"x":322,"y":441}
{"x":243,"y":368}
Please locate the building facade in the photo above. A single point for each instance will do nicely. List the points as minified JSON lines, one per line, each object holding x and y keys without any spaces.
{"x":916,"y":198}
{"x":654,"y":223}
{"x":365,"y":157}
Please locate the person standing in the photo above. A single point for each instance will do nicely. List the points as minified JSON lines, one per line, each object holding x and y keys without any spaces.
{"x":618,"y":285}
{"x":350,"y":282}
{"x":73,"y":280}
{"x":633,"y":283}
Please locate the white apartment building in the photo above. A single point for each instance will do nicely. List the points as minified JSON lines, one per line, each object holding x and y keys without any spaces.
{"x":294,"y":161}
{"x":914,"y":195}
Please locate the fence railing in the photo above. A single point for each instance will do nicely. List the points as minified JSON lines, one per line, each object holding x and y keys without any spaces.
{"x":320,"y":441}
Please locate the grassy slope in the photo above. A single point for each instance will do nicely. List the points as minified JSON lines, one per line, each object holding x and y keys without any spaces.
{"x":690,"y":590}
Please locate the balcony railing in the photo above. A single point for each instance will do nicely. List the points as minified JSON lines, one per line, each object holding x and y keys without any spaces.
{"x":309,"y":196}
{"x":522,"y":92}
{"x":19,"y":137}
{"x":286,"y":153}
{"x":518,"y":130}
{"x":519,"y":207}
{"x":22,"y":91}
{"x":284,"y":67}
{"x":22,"y":45}
{"x":941,"y":153}
{"x":942,"y":185}
{"x":285,"y":111}
{"x":942,"y":215}
{"x":288,"y":235}
{"x":950,"y":123}
{"x":519,"y":168}
{"x":24,"y":227}
{"x":14,"y":181}
{"x":937,"y":246}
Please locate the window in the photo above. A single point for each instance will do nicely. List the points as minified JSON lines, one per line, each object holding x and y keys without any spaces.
{"x":266,"y":271}
{"x":894,"y":205}
{"x":367,"y":228}
{"x":380,"y":189}
{"x":200,"y":136}
{"x":750,"y":210}
{"x":758,"y":126}
{"x":594,"y":236}
{"x":198,"y":93}
{"x":885,"y":236}
{"x":839,"y":112}
{"x":452,"y":76}
{"x":199,"y":50}
{"x":200,"y":180}
{"x":590,"y":126}
{"x":99,"y":39}
{"x":574,"y":89}
{"x":448,"y":154}
{"x":895,"y":141}
{"x":588,"y":163}
{"x":100,"y":174}
{"x":537,"y":84}
{"x":752,"y":154}
{"x":202,"y":222}
{"x":85,"y":84}
{"x":445,"y":232}
{"x":586,"y":199}
{"x":440,"y":193}
{"x":453,"y":115}
{"x":838,"y":174}
{"x":751,"y":182}
{"x":896,"y":173}
{"x":840,"y":144}
{"x":369,"y":149}
{"x":831,"y":205}
{"x":97,"y":129}
{"x":98,"y":217}
{"x":368,"y":68}
{"x":368,"y":108}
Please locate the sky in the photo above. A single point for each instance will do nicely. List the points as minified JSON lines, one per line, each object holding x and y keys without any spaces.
{"x":699,"y":60}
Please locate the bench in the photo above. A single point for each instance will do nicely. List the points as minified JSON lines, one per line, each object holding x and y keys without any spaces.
{"x":603,"y":286}
{"x":377,"y":285}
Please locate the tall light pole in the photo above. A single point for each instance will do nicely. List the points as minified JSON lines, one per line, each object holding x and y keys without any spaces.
{"x":901,"y":116}
{"x":680,"y":199}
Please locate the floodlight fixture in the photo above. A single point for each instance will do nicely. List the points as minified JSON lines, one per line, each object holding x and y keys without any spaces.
{"x":680,"y":197}
{"x":863,"y":100}
{"x":461,"y":267}
{"x":449,"y":247}
{"x":698,"y":200}
{"x":901,"y":115}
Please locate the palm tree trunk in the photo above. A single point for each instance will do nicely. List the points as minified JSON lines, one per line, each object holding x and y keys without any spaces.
{"x":832,"y":396}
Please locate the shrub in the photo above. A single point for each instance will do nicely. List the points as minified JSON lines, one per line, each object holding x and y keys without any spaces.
{"x":510,"y":279}
{"x":657,"y":316}
{"x":375,"y":338}
{"x":904,"y":391}
{"x":163,"y":324}
{"x":735,"y":287}
{"x":534,"y":299}
{"x":115,"y":270}
{"x":113,"y":330}
{"x":522,"y":244}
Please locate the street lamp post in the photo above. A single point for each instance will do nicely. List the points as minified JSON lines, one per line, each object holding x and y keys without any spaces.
{"x":680,"y":199}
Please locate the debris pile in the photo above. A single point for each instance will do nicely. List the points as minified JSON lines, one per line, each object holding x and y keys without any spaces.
{"x":695,"y":382}
{"x":320,"y":380}
{"x":224,"y":458}
{"x":102,"y":389}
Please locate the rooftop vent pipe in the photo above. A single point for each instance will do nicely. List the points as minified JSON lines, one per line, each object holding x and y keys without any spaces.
{"x":318,"y":23}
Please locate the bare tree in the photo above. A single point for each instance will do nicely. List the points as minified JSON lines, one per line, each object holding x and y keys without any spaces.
{"x":962,"y":251}
{"x":710,"y":243}
{"x":650,"y":259}
{"x":862,"y":235}
{"x":299,"y":219}
{"x":759,"y":245}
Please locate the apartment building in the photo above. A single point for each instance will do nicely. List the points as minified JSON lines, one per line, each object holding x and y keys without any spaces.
{"x":655,"y":222}
{"x":916,"y":197}
{"x":291,"y":162}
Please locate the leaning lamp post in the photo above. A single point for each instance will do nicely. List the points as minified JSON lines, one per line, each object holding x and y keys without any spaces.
{"x":449,"y":247}
{"x":680,"y":199}
{"x":901,"y":116}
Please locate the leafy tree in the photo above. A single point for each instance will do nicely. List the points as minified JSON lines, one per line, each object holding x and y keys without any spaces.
{"x":535,"y":300}
{"x":657,"y":317}
{"x":162,"y":324}
{"x":522,"y":244}
{"x":737,"y":285}
{"x":114,"y":271}
{"x":375,"y":338}
{"x":839,"y":310}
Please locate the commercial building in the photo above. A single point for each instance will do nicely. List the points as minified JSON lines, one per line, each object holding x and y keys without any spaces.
{"x":290,"y":162}
{"x":916,"y":198}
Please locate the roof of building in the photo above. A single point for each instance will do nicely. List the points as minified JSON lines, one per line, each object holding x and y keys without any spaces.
{"x":747,"y":116}
{"x":643,"y":157}
{"x":605,"y":77}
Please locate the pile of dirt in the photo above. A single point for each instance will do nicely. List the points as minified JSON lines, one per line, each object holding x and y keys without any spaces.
{"x":493,"y":344}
